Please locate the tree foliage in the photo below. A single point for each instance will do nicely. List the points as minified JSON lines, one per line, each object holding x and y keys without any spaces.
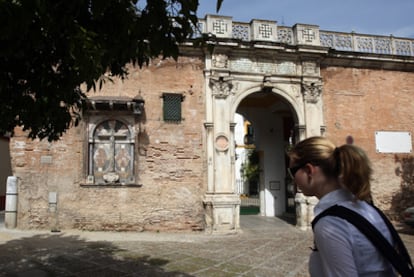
{"x":48,"y":48}
{"x":251,"y":168}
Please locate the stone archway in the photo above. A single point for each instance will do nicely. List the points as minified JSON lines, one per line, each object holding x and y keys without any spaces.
{"x":226,"y":87}
{"x":272,"y":122}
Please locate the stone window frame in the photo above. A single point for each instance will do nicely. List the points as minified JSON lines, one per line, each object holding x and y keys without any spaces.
{"x":112,"y":179}
{"x":127,"y":111}
{"x":113,"y":140}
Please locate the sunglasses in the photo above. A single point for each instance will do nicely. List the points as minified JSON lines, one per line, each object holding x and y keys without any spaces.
{"x":292,"y":170}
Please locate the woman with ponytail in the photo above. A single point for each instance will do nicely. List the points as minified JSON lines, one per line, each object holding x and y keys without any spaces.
{"x":339,"y":176}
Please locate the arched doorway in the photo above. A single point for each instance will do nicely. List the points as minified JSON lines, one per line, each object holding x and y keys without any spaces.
{"x":234,"y":82}
{"x":269,"y":124}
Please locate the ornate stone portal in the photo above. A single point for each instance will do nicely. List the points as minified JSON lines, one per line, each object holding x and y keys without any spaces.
{"x":232,"y":74}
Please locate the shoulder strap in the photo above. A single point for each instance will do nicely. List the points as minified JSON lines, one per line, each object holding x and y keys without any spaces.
{"x":397,"y":239}
{"x":399,"y":260}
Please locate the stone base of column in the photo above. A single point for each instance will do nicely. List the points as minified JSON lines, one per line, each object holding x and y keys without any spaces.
{"x":222,"y":213}
{"x":301,"y":211}
{"x":304,"y":210}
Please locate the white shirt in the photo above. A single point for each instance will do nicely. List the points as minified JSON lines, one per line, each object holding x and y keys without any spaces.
{"x":342,"y":249}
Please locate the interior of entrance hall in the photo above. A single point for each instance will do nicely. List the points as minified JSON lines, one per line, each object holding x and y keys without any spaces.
{"x":264,"y":131}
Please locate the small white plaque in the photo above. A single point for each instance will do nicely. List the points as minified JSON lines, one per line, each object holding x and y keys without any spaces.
{"x":52,"y":197}
{"x":393,"y":142}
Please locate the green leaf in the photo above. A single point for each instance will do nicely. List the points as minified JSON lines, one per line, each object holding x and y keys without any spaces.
{"x":50,"y":48}
{"x":218,"y":7}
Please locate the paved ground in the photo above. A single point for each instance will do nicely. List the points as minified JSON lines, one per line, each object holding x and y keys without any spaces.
{"x":266,"y":247}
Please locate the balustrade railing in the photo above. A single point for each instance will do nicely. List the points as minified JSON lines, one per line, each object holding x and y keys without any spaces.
{"x":305,"y":34}
{"x":367,"y":43}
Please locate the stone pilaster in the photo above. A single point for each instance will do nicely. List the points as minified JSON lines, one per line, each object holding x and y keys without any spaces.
{"x":221,"y":204}
{"x":312,"y":97}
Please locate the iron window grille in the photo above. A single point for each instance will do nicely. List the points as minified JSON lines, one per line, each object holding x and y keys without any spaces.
{"x":172,"y":107}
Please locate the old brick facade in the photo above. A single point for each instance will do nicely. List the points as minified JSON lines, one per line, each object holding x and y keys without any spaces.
{"x":360,"y":101}
{"x":183,"y":171}
{"x":169,"y":163}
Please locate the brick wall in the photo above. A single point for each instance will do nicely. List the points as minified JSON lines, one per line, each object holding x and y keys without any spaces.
{"x":358,"y":102}
{"x":170,"y":157}
{"x":169,"y":163}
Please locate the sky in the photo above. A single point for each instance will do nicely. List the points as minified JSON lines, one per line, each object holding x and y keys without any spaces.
{"x":376,"y":17}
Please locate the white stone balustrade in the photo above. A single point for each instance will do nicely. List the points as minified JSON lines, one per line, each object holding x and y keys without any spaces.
{"x":305,"y":34}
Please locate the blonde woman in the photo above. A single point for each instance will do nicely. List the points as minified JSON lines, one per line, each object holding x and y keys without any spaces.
{"x":339,"y":176}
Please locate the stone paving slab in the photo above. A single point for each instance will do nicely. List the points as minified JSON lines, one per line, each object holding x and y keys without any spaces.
{"x":266,"y":247}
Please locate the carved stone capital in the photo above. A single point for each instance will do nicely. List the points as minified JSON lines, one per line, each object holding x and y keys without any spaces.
{"x":311,"y":91}
{"x":221,"y":86}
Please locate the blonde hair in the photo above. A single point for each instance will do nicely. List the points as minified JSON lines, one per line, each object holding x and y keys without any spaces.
{"x":349,"y":164}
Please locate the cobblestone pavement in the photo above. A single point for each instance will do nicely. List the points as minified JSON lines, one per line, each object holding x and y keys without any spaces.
{"x":265,"y":247}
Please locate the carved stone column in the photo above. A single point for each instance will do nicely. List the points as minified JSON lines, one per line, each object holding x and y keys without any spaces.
{"x":311,"y":92}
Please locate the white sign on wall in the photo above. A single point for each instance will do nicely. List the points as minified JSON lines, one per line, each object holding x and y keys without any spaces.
{"x":393,"y":142}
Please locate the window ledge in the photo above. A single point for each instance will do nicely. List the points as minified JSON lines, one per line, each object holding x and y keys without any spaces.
{"x":111,"y":185}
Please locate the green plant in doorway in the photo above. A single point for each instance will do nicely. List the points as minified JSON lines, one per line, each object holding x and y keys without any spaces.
{"x":251,"y":169}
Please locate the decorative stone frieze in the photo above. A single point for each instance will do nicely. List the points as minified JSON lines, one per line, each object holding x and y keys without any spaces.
{"x":311,"y":91}
{"x":221,"y":86}
{"x":241,"y":64}
{"x":310,"y":68}
{"x":286,"y":68}
{"x":267,"y":66}
{"x":220,"y":61}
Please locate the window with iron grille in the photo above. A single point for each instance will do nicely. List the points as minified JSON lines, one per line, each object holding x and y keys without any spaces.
{"x":172,"y":107}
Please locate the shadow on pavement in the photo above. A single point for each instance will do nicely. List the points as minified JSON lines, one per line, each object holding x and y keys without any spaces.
{"x":288,"y":218}
{"x":58,"y":255}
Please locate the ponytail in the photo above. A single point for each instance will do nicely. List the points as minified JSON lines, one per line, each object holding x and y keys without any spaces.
{"x":355,"y":171}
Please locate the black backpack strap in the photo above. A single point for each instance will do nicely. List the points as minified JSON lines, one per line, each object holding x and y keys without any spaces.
{"x":400,"y":262}
{"x":397,"y":239}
